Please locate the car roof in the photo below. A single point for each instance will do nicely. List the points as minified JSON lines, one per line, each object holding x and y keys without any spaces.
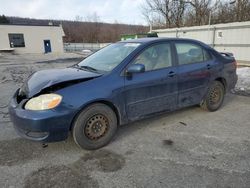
{"x":150,"y":39}
{"x":158,"y":39}
{"x":144,"y":40}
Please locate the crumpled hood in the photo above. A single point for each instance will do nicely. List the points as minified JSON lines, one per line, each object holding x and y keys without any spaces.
{"x":46,"y":78}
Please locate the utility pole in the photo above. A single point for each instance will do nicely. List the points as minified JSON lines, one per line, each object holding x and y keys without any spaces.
{"x":209,"y":18}
{"x":237,"y":13}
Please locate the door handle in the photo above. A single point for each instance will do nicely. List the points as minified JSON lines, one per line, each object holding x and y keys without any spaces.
{"x":171,"y":74}
{"x":208,"y":66}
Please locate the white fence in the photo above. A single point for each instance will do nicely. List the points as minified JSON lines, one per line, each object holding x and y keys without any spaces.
{"x":231,"y":37}
{"x":78,"y":47}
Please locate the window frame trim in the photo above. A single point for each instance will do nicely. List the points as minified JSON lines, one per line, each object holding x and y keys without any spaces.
{"x":9,"y":34}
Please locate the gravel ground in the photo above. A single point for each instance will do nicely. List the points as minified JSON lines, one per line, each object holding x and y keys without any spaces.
{"x":186,"y":148}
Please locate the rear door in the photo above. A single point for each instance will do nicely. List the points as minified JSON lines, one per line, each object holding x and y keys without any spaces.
{"x":194,"y":72}
{"x":154,"y":90}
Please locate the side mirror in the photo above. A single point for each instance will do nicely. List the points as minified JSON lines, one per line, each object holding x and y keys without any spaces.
{"x":135,"y":68}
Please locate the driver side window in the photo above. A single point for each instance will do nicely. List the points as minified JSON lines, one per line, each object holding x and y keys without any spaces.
{"x":155,"y":57}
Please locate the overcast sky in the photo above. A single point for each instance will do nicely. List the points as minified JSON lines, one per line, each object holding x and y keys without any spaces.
{"x":124,"y":11}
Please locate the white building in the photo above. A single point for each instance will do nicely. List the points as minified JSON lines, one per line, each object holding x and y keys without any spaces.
{"x":31,"y":39}
{"x":230,"y":37}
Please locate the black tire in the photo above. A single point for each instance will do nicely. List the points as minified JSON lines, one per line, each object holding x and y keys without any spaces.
{"x":95,"y":126}
{"x":214,"y":97}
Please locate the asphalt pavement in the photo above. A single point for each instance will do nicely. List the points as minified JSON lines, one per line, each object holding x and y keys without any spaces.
{"x":185,"y":148}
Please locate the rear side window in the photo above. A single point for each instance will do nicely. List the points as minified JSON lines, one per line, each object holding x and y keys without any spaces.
{"x":191,"y":53}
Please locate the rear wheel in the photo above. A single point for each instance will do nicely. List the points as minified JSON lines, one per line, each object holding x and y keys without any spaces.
{"x":95,"y":126}
{"x":214,"y":97}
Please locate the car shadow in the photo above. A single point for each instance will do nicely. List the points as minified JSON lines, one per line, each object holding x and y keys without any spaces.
{"x":229,"y":97}
{"x":132,"y":127}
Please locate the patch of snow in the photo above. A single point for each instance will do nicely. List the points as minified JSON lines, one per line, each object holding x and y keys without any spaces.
{"x":243,"y":83}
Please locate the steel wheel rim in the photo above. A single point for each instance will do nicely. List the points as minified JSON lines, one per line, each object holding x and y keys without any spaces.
{"x":215,"y":96}
{"x":96,"y":127}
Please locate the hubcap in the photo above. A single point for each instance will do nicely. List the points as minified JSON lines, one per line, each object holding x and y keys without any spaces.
{"x":96,"y":127}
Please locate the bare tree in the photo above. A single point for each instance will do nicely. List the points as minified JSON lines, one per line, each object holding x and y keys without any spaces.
{"x":242,"y":10}
{"x":177,"y":13}
{"x":78,"y":18}
{"x":236,"y":11}
{"x":164,"y":12}
{"x":94,"y":27}
{"x":199,"y":11}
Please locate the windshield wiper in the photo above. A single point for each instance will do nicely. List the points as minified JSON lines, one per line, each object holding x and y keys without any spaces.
{"x":88,"y":68}
{"x":85,"y":68}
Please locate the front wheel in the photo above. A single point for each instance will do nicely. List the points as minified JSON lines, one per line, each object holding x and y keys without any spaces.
{"x":214,"y":97}
{"x":95,"y":126}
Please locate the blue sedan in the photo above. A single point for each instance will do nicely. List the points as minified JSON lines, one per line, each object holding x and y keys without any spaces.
{"x":121,"y":83}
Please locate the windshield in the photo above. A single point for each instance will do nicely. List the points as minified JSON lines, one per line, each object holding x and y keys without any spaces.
{"x":106,"y":59}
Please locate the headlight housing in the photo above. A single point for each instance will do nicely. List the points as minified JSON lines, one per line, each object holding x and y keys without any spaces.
{"x":43,"y":102}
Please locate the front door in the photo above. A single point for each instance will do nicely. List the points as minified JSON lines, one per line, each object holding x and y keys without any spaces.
{"x":47,"y":46}
{"x":154,"y":90}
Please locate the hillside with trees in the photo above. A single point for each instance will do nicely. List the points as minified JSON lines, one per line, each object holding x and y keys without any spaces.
{"x":3,"y":19}
{"x":91,"y":30}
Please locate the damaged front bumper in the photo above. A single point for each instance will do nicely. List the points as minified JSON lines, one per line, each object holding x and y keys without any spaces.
{"x":45,"y":125}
